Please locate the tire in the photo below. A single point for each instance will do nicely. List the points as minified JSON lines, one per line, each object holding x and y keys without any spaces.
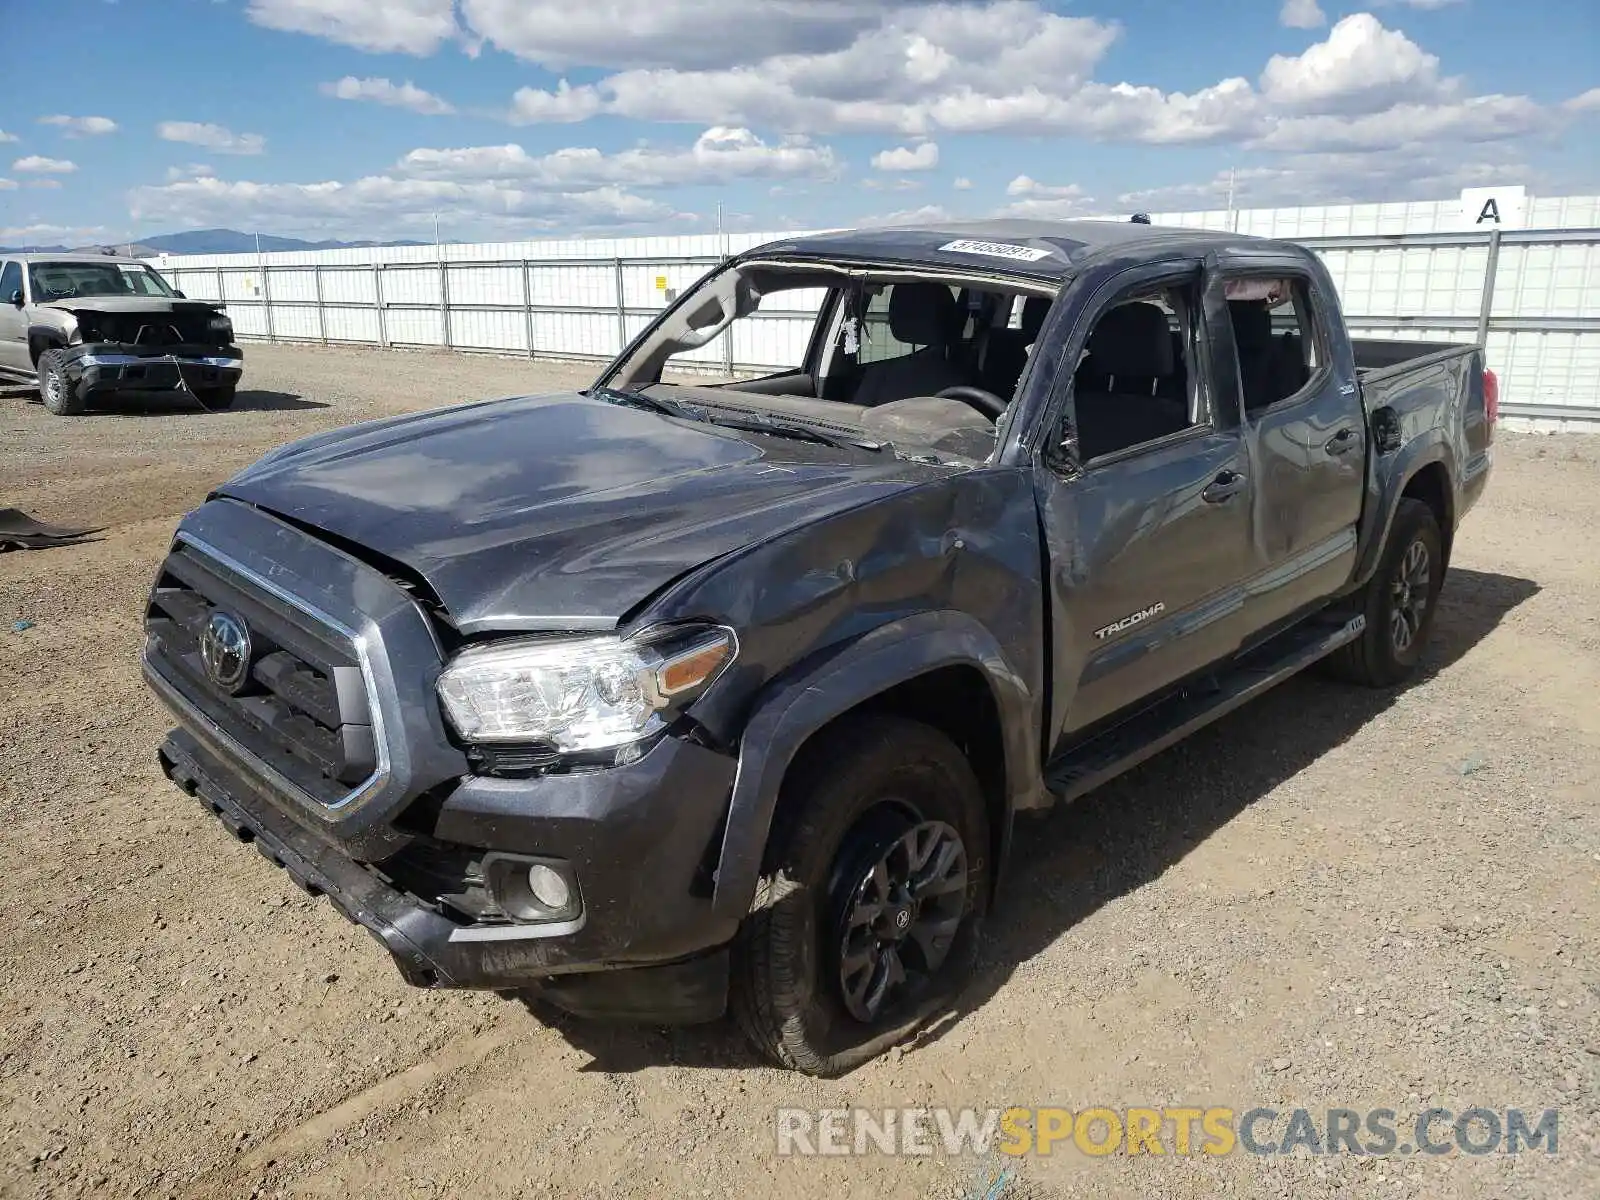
{"x":55,"y":389}
{"x":1399,"y":602}
{"x":213,"y":399}
{"x":874,"y":793}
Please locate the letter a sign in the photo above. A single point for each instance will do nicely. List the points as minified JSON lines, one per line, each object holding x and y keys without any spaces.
{"x":1486,"y":208}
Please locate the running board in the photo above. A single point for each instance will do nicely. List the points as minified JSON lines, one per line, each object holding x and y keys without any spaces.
{"x":1140,"y":737}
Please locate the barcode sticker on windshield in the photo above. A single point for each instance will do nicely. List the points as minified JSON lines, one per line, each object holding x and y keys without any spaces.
{"x":995,"y":250}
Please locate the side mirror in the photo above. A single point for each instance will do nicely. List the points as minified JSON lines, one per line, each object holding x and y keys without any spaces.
{"x":16,"y":298}
{"x":179,"y":294}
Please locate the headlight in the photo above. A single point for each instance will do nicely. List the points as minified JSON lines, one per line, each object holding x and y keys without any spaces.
{"x":598,"y":693}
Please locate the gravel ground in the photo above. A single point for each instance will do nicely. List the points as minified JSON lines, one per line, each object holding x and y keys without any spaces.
{"x":1333,"y":898}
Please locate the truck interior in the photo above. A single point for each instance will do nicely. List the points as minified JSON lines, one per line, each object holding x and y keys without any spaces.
{"x":930,"y":359}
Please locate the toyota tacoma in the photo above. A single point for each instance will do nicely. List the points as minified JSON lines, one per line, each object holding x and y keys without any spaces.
{"x":679,"y":694}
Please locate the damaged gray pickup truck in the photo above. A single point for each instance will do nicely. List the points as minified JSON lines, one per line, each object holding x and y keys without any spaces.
{"x":91,"y":326}
{"x":675,"y":694}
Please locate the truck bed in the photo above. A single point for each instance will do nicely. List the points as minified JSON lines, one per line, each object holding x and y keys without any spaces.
{"x":1378,"y":356}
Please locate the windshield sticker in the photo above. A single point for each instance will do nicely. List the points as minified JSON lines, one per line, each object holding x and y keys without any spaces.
{"x":995,"y":250}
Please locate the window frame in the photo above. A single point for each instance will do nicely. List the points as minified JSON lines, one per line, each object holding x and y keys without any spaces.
{"x":1304,"y":284}
{"x":1186,"y":274}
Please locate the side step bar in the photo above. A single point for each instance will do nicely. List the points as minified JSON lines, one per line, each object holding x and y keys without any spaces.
{"x":1124,"y":747}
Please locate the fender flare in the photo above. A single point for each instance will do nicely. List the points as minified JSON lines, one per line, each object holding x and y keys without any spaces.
{"x":44,"y":337}
{"x":796,"y":705}
{"x":1393,"y":478}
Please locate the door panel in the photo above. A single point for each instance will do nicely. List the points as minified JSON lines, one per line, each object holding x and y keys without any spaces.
{"x":13,"y":321}
{"x":1146,"y":572}
{"x":1307,"y":450}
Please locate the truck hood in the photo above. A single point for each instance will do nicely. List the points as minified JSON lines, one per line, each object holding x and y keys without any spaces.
{"x":559,"y":512}
{"x":130,"y":304}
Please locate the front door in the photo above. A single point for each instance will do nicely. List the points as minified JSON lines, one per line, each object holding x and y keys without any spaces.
{"x":1147,"y":523}
{"x":13,"y":319}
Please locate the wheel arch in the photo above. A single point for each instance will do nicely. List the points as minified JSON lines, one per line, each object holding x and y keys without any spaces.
{"x":1424,"y":470}
{"x":944,"y":669}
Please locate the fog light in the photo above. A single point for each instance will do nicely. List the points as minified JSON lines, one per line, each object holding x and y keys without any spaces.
{"x":529,"y":889}
{"x":548,"y":887}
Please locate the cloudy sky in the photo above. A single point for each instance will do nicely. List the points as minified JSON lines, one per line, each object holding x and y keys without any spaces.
{"x":518,"y":118}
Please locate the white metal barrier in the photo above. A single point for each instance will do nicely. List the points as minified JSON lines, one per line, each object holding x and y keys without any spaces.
{"x":1530,"y":297}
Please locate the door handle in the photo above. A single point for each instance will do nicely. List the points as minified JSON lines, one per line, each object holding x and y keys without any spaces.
{"x":1224,"y":487}
{"x":1342,"y":442}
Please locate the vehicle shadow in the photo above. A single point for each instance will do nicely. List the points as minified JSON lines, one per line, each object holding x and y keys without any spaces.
{"x":245,"y":400}
{"x":1069,"y":863}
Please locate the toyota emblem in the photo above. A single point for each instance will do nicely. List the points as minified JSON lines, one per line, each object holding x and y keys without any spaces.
{"x":225,"y":651}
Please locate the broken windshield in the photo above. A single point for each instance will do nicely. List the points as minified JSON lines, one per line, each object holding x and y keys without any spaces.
{"x":63,"y":280}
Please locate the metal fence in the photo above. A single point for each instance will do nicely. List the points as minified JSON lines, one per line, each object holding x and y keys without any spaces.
{"x":1531,"y":298}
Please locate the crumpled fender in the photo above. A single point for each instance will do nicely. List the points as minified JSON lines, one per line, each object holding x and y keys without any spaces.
{"x":803,"y":702}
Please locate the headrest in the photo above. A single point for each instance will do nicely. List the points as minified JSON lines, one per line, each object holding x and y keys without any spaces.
{"x":1034,"y":310}
{"x":1132,"y":339}
{"x":1252,"y":325}
{"x":922,"y":314}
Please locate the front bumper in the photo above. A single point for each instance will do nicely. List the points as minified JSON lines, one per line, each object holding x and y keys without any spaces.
{"x":647,"y":946}
{"x":96,"y":370}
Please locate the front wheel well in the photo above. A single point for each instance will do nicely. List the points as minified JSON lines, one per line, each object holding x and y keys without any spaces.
{"x":38,"y":343}
{"x":959,"y":703}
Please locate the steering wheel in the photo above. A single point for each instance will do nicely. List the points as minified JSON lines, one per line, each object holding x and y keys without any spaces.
{"x":987,"y":403}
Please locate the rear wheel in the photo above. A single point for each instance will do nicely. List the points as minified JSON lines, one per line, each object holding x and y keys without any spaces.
{"x":1398,"y":603}
{"x":868,"y":920}
{"x":55,"y":389}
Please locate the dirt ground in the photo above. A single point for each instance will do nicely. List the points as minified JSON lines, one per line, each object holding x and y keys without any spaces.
{"x":1334,"y":898}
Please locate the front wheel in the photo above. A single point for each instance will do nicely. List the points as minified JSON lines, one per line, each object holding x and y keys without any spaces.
{"x":1399,"y":602}
{"x":868,"y":918}
{"x":55,"y":389}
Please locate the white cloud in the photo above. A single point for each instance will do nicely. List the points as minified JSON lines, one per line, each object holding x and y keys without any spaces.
{"x":717,"y":155}
{"x":1584,"y":102}
{"x":1044,"y":202}
{"x":43,"y":183}
{"x":531,"y":106}
{"x":7,"y":137}
{"x":900,"y":184}
{"x":1408,"y":173}
{"x":1023,"y":185}
{"x":189,"y":171}
{"x":1476,"y":119}
{"x":385,"y":203}
{"x":678,"y":33}
{"x":39,"y":165}
{"x":394,"y":95}
{"x":1302,"y":14}
{"x":962,"y":184}
{"x":212,"y":137}
{"x":918,"y":65}
{"x":392,"y":26}
{"x":32,"y":234}
{"x":1361,"y":67}
{"x":928,"y":214}
{"x":924,"y":156}
{"x":81,"y":126}
{"x":8,"y":185}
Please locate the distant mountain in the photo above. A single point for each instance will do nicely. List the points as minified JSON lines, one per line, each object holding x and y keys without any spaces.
{"x":231,"y":241}
{"x":211,"y":241}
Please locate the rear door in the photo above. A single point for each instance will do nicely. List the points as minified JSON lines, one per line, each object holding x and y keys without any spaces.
{"x":1304,"y":431}
{"x":1145,"y":507}
{"x":13,"y":319}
